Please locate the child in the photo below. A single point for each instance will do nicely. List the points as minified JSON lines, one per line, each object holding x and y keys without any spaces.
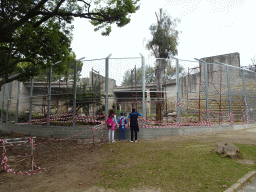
{"x":122,"y":121}
{"x":111,"y":124}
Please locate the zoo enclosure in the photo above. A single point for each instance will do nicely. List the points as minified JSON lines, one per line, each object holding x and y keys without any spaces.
{"x":191,"y":93}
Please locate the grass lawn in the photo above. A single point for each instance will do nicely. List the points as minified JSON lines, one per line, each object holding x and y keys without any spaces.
{"x":166,"y":165}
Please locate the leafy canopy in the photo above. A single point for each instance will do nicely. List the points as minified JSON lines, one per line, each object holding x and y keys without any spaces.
{"x":150,"y":77}
{"x":35,"y":34}
{"x":164,"y":36}
{"x":62,"y":72}
{"x":163,"y":44}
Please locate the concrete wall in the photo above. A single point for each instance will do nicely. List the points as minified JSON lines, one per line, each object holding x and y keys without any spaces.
{"x":40,"y":94}
{"x":10,"y":91}
{"x":86,"y":132}
{"x":217,"y":76}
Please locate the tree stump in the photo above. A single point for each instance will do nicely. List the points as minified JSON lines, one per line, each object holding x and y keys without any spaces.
{"x":228,"y":149}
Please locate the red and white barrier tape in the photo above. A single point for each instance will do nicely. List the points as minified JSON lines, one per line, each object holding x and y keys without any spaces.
{"x":8,"y":169}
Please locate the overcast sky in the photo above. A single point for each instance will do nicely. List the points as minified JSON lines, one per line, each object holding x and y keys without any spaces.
{"x":208,"y":28}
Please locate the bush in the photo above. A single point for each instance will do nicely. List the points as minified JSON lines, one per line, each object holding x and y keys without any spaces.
{"x":23,"y":118}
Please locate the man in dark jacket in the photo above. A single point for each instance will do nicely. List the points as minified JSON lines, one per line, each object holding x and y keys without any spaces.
{"x":133,"y":121}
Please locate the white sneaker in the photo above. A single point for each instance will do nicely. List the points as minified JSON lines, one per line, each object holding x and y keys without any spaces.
{"x":131,"y":141}
{"x":135,"y":141}
{"x":113,"y":140}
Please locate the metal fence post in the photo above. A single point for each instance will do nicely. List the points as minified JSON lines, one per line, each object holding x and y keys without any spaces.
{"x":178,"y":90}
{"x":31,"y":101}
{"x":106,"y":84}
{"x":74,"y":94}
{"x":49,"y":97}
{"x":8,"y":103}
{"x":245,"y":99}
{"x":2,"y":111}
{"x":229,"y":96}
{"x":143,"y":87}
{"x":74,"y":91}
{"x":206,"y":90}
{"x":17,"y":104}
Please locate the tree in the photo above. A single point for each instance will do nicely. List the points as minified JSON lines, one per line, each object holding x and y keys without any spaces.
{"x":163,"y":44}
{"x":149,"y":76}
{"x":38,"y":33}
{"x":32,"y":51}
{"x":62,"y":71}
{"x":88,"y":96}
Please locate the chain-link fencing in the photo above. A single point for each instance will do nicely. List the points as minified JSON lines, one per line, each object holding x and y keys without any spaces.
{"x":168,"y":92}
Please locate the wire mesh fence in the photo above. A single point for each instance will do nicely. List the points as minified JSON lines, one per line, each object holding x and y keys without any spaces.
{"x":168,"y":92}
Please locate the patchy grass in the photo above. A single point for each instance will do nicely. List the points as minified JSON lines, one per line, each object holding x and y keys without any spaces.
{"x":172,"y":166}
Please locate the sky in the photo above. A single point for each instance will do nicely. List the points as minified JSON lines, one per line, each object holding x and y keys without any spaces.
{"x":208,"y":28}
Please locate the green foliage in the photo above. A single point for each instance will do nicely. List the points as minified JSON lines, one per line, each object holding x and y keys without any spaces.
{"x":23,"y":118}
{"x":62,"y":71}
{"x":87,"y":96}
{"x":37,"y":34}
{"x":113,"y":106}
{"x":33,"y":50}
{"x":149,"y":75}
{"x":11,"y":115}
{"x":118,"y":113}
{"x":163,"y":44}
{"x":165,"y":37}
{"x":4,"y":112}
{"x":115,"y":11}
{"x":37,"y":116}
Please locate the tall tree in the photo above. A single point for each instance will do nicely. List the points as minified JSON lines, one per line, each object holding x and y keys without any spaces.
{"x":149,"y":76}
{"x":163,"y":44}
{"x":39,"y":32}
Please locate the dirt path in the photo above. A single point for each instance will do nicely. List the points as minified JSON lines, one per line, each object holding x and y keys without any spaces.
{"x":73,"y":165}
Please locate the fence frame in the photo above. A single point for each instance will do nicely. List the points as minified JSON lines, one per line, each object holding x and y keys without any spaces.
{"x":205,"y":74}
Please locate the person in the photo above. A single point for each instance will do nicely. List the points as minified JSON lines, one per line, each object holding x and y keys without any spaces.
{"x":112,"y":125}
{"x":122,"y":121}
{"x":134,"y":127}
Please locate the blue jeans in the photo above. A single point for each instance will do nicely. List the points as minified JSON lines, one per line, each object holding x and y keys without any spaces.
{"x":122,"y":131}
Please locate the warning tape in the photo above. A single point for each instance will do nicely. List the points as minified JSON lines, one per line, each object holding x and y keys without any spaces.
{"x":8,"y":169}
{"x":141,"y":102}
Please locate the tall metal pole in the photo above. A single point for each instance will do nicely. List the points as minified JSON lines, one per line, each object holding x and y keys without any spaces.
{"x":143,"y":86}
{"x":106,"y":83}
{"x":206,"y":90}
{"x":49,"y":97}
{"x":31,"y":101}
{"x":17,"y":103}
{"x":74,"y":94}
{"x":2,"y":111}
{"x":178,"y":90}
{"x":8,"y":103}
{"x":245,"y":99}
{"x":229,"y":95}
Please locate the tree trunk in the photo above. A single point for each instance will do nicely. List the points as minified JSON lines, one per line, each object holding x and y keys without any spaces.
{"x":159,"y":111}
{"x":159,"y":83}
